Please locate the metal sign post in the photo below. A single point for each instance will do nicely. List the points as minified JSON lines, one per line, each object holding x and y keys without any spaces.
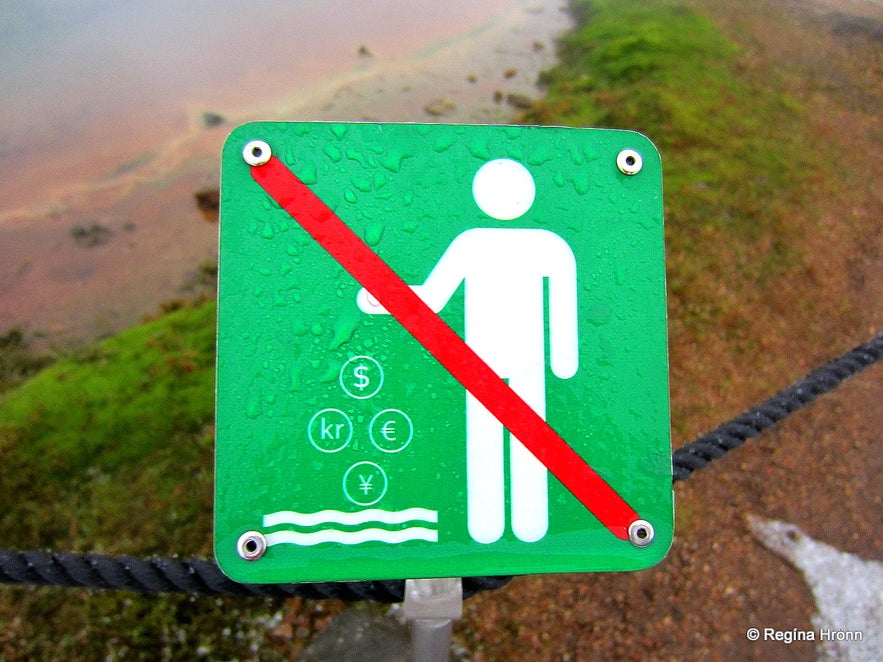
{"x":432,"y":606}
{"x":441,"y":351}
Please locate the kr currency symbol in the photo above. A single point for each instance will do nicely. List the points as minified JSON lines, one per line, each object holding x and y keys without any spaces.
{"x":361,"y":377}
{"x":330,"y":430}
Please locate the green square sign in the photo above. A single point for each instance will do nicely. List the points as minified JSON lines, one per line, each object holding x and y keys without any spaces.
{"x":441,"y":352}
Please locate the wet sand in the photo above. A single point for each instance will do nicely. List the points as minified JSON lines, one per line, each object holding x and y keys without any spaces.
{"x":96,"y":241}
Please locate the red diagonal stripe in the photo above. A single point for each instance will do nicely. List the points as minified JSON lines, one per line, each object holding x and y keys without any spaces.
{"x":445,"y":345}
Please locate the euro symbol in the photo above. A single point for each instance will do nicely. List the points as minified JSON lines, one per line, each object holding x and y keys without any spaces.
{"x":388,"y":430}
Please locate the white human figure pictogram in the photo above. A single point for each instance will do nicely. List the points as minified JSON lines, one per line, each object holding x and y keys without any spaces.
{"x":506,"y":271}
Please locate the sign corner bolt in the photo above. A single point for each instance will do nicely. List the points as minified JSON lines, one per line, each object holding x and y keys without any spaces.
{"x":641,"y":533}
{"x":256,"y":153}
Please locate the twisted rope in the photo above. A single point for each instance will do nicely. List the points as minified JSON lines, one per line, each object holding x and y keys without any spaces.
{"x":201,"y":577}
{"x":194,"y":576}
{"x":732,"y":434}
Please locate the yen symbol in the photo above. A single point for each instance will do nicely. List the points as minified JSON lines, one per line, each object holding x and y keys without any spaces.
{"x":364,"y":483}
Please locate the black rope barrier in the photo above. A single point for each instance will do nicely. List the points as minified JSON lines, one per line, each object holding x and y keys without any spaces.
{"x":194,"y":576}
{"x":202,"y":577}
{"x":732,"y":434}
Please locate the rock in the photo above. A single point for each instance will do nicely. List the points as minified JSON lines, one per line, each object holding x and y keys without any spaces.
{"x":472,"y":78}
{"x":521,"y":101}
{"x":847,"y":590}
{"x":440,"y":107}
{"x":89,"y":237}
{"x":210,"y":119}
{"x":359,"y":635}
{"x":510,"y":73}
{"x":209,"y":202}
{"x":849,"y":25}
{"x":364,"y":52}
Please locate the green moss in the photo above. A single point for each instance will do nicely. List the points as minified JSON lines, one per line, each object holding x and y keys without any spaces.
{"x":735,"y":153}
{"x":132,"y":393}
{"x":118,"y":428}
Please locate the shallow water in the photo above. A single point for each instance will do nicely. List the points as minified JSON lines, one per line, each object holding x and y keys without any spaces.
{"x":103,"y":138}
{"x":94,"y":90}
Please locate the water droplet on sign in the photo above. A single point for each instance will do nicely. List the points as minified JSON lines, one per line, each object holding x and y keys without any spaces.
{"x":332,"y":369}
{"x":307,"y":173}
{"x":373,"y":233}
{"x":343,"y":332}
{"x":362,"y":184}
{"x":480,"y":150}
{"x":333,"y":153}
{"x":576,"y":157}
{"x":356,"y":156}
{"x":393,"y":160}
{"x":443,"y":143}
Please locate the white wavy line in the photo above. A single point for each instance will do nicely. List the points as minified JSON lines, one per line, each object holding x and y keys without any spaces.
{"x":361,"y":517}
{"x":351,"y":537}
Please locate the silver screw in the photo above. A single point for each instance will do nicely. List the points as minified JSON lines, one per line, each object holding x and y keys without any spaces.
{"x":629,"y":162}
{"x":641,"y":533}
{"x":251,"y":545}
{"x":256,"y":153}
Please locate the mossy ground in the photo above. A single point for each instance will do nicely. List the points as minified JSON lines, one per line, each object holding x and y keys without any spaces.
{"x":736,"y":157}
{"x":110,"y":449}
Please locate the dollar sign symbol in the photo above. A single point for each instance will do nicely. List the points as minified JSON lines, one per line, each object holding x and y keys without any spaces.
{"x":361,"y":377}
{"x":363,"y":380}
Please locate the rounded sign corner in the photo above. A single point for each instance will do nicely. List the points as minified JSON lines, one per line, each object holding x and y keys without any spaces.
{"x":241,"y":134}
{"x":229,"y":567}
{"x":648,"y":143}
